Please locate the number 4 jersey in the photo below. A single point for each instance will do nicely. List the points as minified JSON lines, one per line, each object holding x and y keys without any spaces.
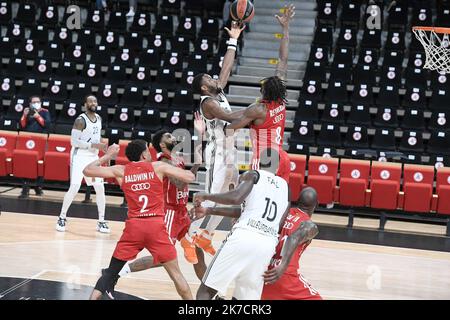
{"x":264,"y":207}
{"x":143,"y":190}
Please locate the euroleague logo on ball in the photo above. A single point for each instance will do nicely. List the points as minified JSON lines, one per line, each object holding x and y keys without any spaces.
{"x":242,"y":10}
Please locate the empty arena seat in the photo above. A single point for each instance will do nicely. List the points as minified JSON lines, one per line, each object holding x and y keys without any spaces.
{"x":443,"y":190}
{"x":28,"y":155}
{"x":57,"y":158}
{"x":322,"y":174}
{"x":297,"y":175}
{"x":417,"y":187}
{"x":353,"y":182}
{"x":7,"y":145}
{"x":385,"y":185}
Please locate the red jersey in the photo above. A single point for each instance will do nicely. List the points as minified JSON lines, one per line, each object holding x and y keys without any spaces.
{"x":291,"y":224}
{"x":143,"y":190}
{"x":271,"y":132}
{"x":173,"y":195}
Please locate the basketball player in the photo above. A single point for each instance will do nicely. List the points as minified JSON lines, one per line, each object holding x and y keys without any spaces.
{"x":86,"y":143}
{"x":142,"y":183}
{"x":267,"y":117}
{"x":176,"y":198}
{"x":220,"y":163}
{"x":283,"y":280}
{"x":246,"y":253}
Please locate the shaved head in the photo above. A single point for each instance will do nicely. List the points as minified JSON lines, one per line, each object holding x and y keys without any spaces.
{"x":308,"y":200}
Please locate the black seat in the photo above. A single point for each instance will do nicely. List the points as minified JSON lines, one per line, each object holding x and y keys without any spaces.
{"x":411,"y":141}
{"x":17,"y":67}
{"x":386,"y":117}
{"x":173,"y":60}
{"x":16,"y":33}
{"x":63,"y":37}
{"x":347,"y":37}
{"x":28,"y":50}
{"x":333,"y":113}
{"x":416,"y":60}
{"x":80,"y":90}
{"x":92,"y":73}
{"x":327,"y":12}
{"x":197,"y":63}
{"x":5,"y":13}
{"x":329,"y":135}
{"x":114,"y":135}
{"x":413,"y":119}
{"x":15,"y":109}
{"x":439,"y":121}
{"x":7,"y":87}
{"x":53,"y":52}
{"x":302,"y":136}
{"x":40,"y":34}
{"x":164,"y":25}
{"x":175,"y":120}
{"x":70,"y":111}
{"x":101,"y":55}
{"x":343,"y":56}
{"x":439,"y":160}
{"x":180,"y":44}
{"x":359,"y":115}
{"x":443,"y":16}
{"x":56,"y":91}
{"x":384,"y":139}
{"x":439,"y":143}
{"x":356,"y":137}
{"x":150,"y":120}
{"x":371,"y":39}
{"x":110,"y":40}
{"x":204,"y":46}
{"x":141,"y":134}
{"x":183,"y":100}
{"x":107,"y":94}
{"x":439,"y":99}
{"x":336,"y":92}
{"x":369,"y":57}
{"x":414,"y":98}
{"x":395,"y":41}
{"x":95,"y":20}
{"x":388,"y":96}
{"x":158,"y":98}
{"x":140,"y":76}
{"x":307,"y":110}
{"x":320,"y":54}
{"x":125,"y":58}
{"x":210,"y":28}
{"x":75,"y":53}
{"x":150,"y":58}
{"x":422,"y":15}
{"x":311,"y":90}
{"x":393,"y":58}
{"x":323,"y":36}
{"x":416,"y":77}
{"x":67,"y":71}
{"x":134,"y":41}
{"x":351,"y":13}
{"x":117,"y":21}
{"x":49,"y":16}
{"x":166,"y":79}
{"x":341,"y":72}
{"x":30,"y":87}
{"x":315,"y":71}
{"x":132,"y":96}
{"x":141,"y":23}
{"x":6,"y":47}
{"x":363,"y":94}
{"x":26,"y":14}
{"x":187,"y":27}
{"x":364,"y":74}
{"x":123,"y":118}
{"x":117,"y":74}
{"x":157,"y":42}
{"x":398,"y":16}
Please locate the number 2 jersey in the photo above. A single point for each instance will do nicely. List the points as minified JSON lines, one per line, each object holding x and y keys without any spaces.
{"x":264,"y":207}
{"x":143,"y":190}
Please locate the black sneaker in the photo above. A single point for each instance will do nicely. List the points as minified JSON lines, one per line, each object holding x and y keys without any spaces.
{"x":39,"y":191}
{"x":25,"y":193}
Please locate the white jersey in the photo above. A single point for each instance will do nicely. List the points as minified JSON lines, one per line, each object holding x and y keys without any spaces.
{"x":91,"y":134}
{"x":264,"y":207}
{"x":215,"y":128}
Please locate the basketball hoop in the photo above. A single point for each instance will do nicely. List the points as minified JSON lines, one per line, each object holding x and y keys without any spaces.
{"x":436,"y":42}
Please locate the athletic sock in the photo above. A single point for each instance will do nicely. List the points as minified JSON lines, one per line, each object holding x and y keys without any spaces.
{"x":125,"y":270}
{"x":101,"y":200}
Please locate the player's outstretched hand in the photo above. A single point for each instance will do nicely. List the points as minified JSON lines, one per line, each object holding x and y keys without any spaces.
{"x":271,"y":276}
{"x":197,"y":213}
{"x":100,"y":146}
{"x":199,"y":197}
{"x":236,"y":30}
{"x":113,"y":150}
{"x":199,"y":124}
{"x":288,"y":14}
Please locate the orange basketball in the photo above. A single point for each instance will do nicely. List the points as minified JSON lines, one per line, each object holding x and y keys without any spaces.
{"x":242,"y":10}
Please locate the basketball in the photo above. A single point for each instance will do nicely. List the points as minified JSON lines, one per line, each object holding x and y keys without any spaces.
{"x":242,"y":10}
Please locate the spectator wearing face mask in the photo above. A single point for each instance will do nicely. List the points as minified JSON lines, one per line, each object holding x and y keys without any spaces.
{"x":35,"y":118}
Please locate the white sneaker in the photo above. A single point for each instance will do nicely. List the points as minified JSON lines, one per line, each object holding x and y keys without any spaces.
{"x":130,"y":13}
{"x":61,"y":225}
{"x":103,"y":227}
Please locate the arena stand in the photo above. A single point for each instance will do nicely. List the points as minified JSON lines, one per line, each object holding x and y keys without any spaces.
{"x":366,"y":124}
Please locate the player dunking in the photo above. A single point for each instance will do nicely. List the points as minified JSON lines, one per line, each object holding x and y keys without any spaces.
{"x":267,"y":117}
{"x":220,"y":162}
{"x":176,"y":198}
{"x":263,"y":203}
{"x":142,"y":183}
{"x":86,"y":143}
{"x":283,"y":280}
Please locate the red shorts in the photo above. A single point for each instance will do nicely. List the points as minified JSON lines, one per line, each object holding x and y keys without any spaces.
{"x":284,"y":167}
{"x":177,"y":222}
{"x":290,"y":287}
{"x":149,"y":233}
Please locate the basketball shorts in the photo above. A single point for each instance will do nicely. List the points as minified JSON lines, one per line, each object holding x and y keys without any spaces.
{"x":177,"y":222}
{"x":221,"y":171}
{"x":243,"y":258}
{"x":284,"y":167}
{"x":290,"y":287}
{"x":77,"y":164}
{"x":145,"y":233}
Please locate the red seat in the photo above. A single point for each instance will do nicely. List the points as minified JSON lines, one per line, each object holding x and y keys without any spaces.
{"x":297,"y":175}
{"x":121,"y":157}
{"x":8,"y":141}
{"x":353,"y":182}
{"x":29,"y":155}
{"x":385,"y":185}
{"x":443,"y":190}
{"x":417,"y":187}
{"x":322,"y":174}
{"x":57,"y":158}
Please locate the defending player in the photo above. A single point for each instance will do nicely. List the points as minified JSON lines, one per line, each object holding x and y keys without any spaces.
{"x":283,"y":280}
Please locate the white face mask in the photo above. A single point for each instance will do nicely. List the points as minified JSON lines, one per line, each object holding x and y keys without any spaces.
{"x":36,"y":105}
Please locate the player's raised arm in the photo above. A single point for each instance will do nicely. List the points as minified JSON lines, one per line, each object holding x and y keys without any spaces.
{"x":228,"y":60}
{"x":167,"y":170}
{"x":305,"y":232}
{"x":233,"y":197}
{"x":284,"y":20}
{"x":214,"y":110}
{"x":95,"y":169}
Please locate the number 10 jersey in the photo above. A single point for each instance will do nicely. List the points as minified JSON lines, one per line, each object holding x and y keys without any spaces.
{"x":264,"y":207}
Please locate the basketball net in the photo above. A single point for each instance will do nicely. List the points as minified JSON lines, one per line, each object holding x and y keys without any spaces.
{"x":436,"y":44}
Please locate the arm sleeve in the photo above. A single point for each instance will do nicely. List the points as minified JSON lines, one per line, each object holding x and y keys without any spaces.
{"x":47,"y":119}
{"x":23,"y":121}
{"x":76,"y":142}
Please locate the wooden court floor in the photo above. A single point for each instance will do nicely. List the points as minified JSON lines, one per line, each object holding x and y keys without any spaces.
{"x":30,"y":247}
